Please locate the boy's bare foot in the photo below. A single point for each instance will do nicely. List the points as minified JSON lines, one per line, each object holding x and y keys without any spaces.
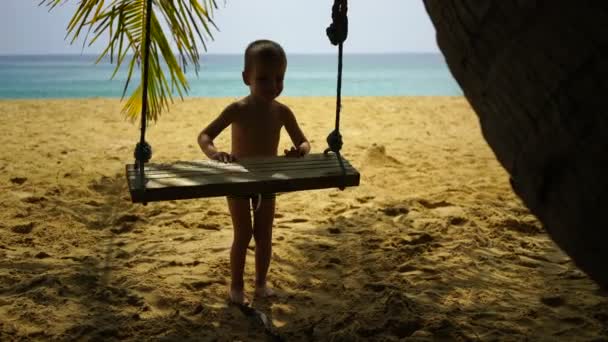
{"x":264,"y":292}
{"x":238,"y":297}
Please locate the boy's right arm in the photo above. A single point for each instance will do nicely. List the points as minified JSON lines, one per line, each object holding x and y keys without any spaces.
{"x":206,"y":136}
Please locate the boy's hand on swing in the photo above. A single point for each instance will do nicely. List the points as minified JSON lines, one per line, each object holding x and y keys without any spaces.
{"x":294,"y":152}
{"x":223,"y":157}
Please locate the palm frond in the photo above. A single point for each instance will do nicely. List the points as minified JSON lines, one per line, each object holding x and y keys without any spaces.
{"x":189,"y":22}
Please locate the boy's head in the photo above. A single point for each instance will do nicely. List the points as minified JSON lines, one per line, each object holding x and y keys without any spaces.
{"x":265,"y":51}
{"x":265,"y":64}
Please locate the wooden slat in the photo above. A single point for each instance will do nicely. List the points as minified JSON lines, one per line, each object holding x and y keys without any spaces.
{"x":207,"y":178}
{"x":318,"y":171}
{"x":214,"y":168}
{"x":251,"y":165}
{"x":196,"y":180}
{"x":252,"y":162}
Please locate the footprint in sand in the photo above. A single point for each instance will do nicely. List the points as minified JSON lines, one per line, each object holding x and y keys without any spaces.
{"x":125,"y":223}
{"x":378,"y":287}
{"x":524,"y":227}
{"x":127,"y":218}
{"x":21,"y":215}
{"x":34,"y":199}
{"x":395,"y":210}
{"x":53,"y":191}
{"x":122,"y":254}
{"x":335,"y":261}
{"x":338,"y":211}
{"x":209,"y":226}
{"x":424,"y":238}
{"x":334,"y":230}
{"x":42,"y":255}
{"x":433,"y":205}
{"x":23,"y":228}
{"x":18,"y":180}
{"x":407,"y":268}
{"x":176,"y":223}
{"x":125,"y":228}
{"x":323,"y":247}
{"x":155,"y":212}
{"x":93,"y":203}
{"x":364,"y":199}
{"x":553,"y":301}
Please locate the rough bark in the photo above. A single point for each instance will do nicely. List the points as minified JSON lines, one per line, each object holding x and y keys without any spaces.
{"x":535,"y":72}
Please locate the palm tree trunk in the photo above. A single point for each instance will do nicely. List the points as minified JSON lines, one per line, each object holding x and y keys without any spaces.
{"x":535,"y":72}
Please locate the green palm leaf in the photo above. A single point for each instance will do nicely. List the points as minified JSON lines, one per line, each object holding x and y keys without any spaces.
{"x":189,"y":22}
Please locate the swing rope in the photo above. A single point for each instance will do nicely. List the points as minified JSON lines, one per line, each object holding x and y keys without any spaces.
{"x":337,"y":33}
{"x":143,"y":150}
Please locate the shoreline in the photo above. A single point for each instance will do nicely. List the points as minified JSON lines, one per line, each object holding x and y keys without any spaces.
{"x":177,"y":99}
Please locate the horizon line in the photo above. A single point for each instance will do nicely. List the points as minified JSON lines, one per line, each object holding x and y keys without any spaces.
{"x":231,"y":53}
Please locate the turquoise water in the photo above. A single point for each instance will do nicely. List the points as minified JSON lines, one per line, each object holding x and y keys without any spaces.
{"x":76,"y":76}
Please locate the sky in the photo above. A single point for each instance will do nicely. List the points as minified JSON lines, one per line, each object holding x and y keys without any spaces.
{"x":375,"y":26}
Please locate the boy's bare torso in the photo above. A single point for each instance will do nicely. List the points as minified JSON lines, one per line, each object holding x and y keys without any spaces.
{"x":256,"y":130}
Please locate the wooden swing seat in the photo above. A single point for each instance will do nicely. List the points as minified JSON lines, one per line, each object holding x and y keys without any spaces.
{"x":210,"y":178}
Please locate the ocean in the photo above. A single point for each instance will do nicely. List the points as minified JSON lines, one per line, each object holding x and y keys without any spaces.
{"x":77,"y":76}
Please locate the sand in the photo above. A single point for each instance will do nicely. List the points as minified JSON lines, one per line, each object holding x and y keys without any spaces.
{"x":432,"y":246}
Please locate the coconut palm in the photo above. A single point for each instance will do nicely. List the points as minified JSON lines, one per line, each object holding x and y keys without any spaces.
{"x":535,"y":73}
{"x":124,"y":22}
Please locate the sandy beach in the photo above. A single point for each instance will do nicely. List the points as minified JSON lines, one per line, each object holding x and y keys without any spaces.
{"x":433,"y":245}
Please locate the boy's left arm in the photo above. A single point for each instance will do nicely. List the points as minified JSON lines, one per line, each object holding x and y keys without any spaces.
{"x":301,"y":145}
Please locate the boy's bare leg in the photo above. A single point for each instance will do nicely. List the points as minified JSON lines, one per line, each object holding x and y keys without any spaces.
{"x":241,"y":221}
{"x":262,"y":233}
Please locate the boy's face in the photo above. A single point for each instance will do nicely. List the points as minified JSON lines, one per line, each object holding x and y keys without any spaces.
{"x":265,"y":79}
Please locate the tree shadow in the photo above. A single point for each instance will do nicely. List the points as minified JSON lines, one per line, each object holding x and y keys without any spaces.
{"x":390,"y":271}
{"x":379,"y":274}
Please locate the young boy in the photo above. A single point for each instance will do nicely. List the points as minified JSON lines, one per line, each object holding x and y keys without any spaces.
{"x":256,"y":122}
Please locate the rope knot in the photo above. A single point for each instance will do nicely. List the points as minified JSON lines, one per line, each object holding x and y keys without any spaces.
{"x":338,"y":29}
{"x":334,"y":141}
{"x":143,"y":152}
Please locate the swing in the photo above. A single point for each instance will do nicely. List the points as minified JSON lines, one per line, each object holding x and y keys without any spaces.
{"x":196,"y":179}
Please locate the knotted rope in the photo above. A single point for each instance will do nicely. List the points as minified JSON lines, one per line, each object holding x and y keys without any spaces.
{"x":143,"y":150}
{"x":337,"y":33}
